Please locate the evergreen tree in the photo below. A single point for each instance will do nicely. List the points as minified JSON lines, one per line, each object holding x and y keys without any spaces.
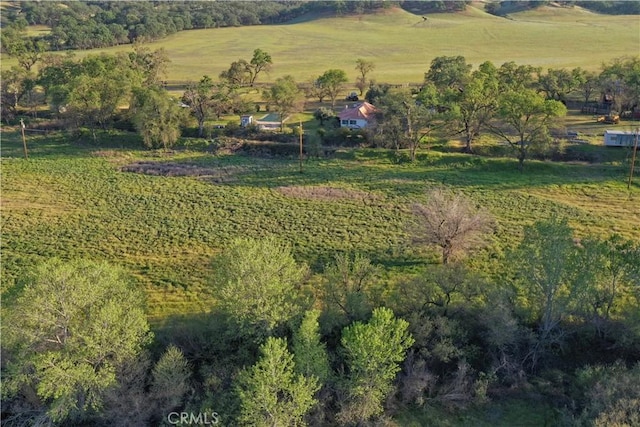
{"x":171,"y":377}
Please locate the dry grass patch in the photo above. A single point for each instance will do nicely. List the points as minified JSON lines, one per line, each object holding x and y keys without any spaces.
{"x":116,"y":157}
{"x":325,"y":193}
{"x":35,"y":206}
{"x":166,"y":169}
{"x":222,"y":174}
{"x":36,"y":199}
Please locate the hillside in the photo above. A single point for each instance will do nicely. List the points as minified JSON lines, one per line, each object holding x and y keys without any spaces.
{"x":402,"y":44}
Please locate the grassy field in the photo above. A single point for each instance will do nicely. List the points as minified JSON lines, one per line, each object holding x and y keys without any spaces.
{"x":402,"y":44}
{"x":72,"y":200}
{"x":163,"y":216}
{"x":166,"y":222}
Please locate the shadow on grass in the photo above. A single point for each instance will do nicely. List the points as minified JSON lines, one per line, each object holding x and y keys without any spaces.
{"x":377,"y":170}
{"x":521,"y":411}
{"x":456,"y":170}
{"x":62,"y":144}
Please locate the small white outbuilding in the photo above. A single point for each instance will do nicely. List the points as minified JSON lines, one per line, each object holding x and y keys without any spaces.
{"x":619,"y":138}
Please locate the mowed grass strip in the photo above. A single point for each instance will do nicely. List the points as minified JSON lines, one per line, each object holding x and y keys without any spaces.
{"x":402,"y":44}
{"x":79,"y":202}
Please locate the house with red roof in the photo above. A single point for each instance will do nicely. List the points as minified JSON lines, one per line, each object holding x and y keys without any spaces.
{"x":358,"y":116}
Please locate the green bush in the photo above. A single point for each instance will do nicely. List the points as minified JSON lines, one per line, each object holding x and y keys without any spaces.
{"x":609,"y":395}
{"x":345,"y":137}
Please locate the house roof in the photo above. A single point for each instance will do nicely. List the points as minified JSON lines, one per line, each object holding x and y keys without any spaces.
{"x":362,"y":111}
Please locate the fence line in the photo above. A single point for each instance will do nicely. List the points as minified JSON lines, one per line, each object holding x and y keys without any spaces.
{"x":182,"y":84}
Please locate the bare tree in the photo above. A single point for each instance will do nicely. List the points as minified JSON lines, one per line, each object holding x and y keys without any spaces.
{"x":450,"y":222}
{"x":363,"y":67}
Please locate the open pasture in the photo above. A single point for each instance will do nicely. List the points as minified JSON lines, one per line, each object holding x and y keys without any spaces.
{"x":163,"y":216}
{"x":402,"y":44}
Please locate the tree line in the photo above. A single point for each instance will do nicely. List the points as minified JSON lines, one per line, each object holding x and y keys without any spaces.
{"x":519,"y":104}
{"x":88,"y":25}
{"x":502,"y":8}
{"x":285,"y":345}
{"x":97,"y":24}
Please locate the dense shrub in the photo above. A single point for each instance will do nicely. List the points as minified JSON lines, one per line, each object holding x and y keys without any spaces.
{"x":344,"y":137}
{"x":609,"y":395}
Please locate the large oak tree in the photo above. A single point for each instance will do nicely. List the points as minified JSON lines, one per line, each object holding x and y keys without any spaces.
{"x":332,"y":81}
{"x":524,"y":117}
{"x":284,"y":96}
{"x":71,"y":328}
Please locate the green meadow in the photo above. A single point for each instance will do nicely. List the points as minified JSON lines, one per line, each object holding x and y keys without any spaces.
{"x":74,"y":199}
{"x":402,"y":44}
{"x":164,"y":215}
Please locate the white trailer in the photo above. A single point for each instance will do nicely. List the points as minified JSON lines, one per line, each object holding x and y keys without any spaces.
{"x":619,"y":138}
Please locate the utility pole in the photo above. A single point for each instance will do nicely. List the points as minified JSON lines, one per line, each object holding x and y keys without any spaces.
{"x":633,"y":159}
{"x":300,"y":146}
{"x":24,"y":140}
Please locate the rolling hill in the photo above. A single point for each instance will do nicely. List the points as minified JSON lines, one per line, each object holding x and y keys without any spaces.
{"x":402,"y":44}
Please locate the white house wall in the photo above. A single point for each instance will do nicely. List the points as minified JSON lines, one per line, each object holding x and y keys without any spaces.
{"x":357,"y":125}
